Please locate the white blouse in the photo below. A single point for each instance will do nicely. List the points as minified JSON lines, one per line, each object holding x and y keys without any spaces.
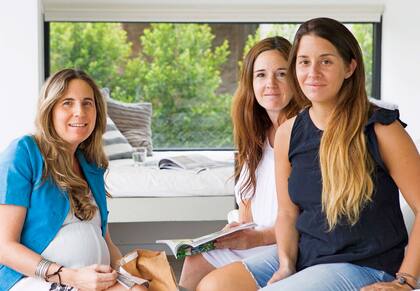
{"x":264,"y":201}
{"x":263,"y":208}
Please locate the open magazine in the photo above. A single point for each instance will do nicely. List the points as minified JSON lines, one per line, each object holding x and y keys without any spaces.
{"x":187,"y":247}
{"x":194,"y":162}
{"x":125,"y":278}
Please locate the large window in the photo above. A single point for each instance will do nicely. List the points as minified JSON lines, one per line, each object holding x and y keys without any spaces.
{"x":189,"y":72}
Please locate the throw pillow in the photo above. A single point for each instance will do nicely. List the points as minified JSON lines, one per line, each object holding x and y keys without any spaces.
{"x":383,"y":104}
{"x":116,"y":145}
{"x":134,"y":120}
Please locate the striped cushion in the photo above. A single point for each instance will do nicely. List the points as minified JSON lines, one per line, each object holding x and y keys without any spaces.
{"x":116,"y":145}
{"x":134,"y":120}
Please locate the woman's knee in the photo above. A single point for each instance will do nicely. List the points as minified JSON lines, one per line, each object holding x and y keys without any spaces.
{"x":231,"y":277}
{"x":211,"y":282}
{"x":194,"y":269}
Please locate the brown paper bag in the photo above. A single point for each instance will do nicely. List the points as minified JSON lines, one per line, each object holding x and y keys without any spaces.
{"x":152,"y":266}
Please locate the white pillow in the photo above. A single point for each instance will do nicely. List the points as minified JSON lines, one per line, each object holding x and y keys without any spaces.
{"x":383,"y":104}
{"x":116,"y":145}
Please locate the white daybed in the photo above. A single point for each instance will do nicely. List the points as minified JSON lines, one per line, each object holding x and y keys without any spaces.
{"x":147,"y":194}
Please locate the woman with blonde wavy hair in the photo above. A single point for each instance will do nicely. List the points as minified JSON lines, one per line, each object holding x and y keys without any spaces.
{"x":53,"y":214}
{"x":339,"y":165}
{"x":261,"y":103}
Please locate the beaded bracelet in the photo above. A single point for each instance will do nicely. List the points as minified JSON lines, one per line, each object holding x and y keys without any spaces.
{"x":56,"y":273}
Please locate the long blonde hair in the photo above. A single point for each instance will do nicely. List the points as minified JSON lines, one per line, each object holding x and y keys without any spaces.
{"x":57,"y":157}
{"x":250,"y":120}
{"x":346,"y":165}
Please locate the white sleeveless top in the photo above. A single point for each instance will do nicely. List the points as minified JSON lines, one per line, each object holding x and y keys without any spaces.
{"x":263,"y":208}
{"x":264,"y":201}
{"x":77,"y":244}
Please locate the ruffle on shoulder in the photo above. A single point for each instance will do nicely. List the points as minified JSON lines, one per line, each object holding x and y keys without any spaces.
{"x":384,"y":116}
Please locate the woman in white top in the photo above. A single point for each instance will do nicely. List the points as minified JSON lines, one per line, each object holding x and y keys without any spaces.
{"x":53,"y":214}
{"x":261,"y":103}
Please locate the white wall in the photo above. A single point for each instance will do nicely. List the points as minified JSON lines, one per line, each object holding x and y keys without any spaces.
{"x":401,"y":60}
{"x":21,"y":69}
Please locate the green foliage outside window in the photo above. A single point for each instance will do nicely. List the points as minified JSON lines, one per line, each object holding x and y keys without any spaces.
{"x":101,"y":49}
{"x":284,"y":30}
{"x":364,"y":35}
{"x":178,"y":71}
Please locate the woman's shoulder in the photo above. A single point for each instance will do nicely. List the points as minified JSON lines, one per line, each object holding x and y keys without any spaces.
{"x":284,"y":133}
{"x":20,"y":148}
{"x":22,"y":156}
{"x":287,"y":126}
{"x":21,"y":161}
{"x":383,"y":116}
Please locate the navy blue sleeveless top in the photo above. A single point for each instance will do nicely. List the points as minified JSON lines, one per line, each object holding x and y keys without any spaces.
{"x":378,"y":239}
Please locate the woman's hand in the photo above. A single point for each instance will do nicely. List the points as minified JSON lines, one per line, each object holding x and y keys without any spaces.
{"x":240,"y":240}
{"x":231,"y":225}
{"x":94,"y":278}
{"x":394,"y":285}
{"x":281,"y":274}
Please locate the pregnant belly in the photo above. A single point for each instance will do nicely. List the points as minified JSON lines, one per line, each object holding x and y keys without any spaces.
{"x":77,"y":245}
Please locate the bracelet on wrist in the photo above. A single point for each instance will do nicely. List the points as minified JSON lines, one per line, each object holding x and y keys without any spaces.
{"x":56,"y":273}
{"x":402,"y":280}
{"x":42,"y":268}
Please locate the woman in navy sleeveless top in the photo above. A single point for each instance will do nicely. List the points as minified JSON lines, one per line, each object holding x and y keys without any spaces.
{"x":339,"y":224}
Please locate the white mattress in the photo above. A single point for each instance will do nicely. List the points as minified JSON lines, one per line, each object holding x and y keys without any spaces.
{"x":123,"y":179}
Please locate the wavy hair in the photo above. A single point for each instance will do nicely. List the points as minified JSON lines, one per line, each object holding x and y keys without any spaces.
{"x":250,"y":120}
{"x":57,"y":158}
{"x":346,"y":165}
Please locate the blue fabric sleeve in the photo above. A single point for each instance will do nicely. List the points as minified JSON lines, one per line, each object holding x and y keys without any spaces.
{"x":16,"y":174}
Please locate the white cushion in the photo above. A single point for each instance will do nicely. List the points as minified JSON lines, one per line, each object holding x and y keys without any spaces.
{"x":383,"y":104}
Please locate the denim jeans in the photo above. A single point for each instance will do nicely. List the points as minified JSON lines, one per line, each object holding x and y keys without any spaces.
{"x":323,"y":277}
{"x":263,"y":266}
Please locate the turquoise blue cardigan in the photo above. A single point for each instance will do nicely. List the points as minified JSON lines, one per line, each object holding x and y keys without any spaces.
{"x":47,"y":206}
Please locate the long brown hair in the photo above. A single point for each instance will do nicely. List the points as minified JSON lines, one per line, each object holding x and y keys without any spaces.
{"x":250,"y":120}
{"x":346,"y":165}
{"x":57,"y":157}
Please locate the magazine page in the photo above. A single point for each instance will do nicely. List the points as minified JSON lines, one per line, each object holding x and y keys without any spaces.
{"x":215,"y":235}
{"x":124,"y":277}
{"x":128,"y":280}
{"x":187,"y":247}
{"x":194,"y":162}
{"x":175,"y":244}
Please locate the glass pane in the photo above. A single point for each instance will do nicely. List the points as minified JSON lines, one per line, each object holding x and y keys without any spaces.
{"x":364,"y":35}
{"x":189,"y":72}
